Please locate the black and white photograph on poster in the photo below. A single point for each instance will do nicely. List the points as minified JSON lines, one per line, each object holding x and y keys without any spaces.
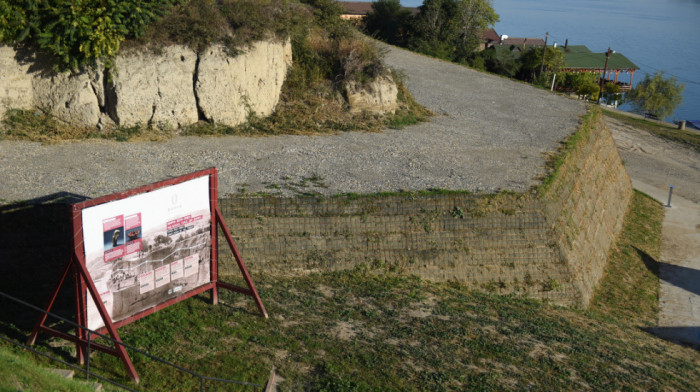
{"x":170,"y":253}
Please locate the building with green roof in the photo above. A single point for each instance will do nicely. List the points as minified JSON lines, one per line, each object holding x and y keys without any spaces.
{"x":580,"y":59}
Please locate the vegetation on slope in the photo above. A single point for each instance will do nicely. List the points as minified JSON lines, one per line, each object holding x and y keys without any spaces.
{"x":372,"y":329}
{"x":629,"y":290}
{"x":327,"y":53}
{"x":19,"y":372}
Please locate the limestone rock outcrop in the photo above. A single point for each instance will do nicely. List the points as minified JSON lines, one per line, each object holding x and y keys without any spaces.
{"x":172,"y":88}
{"x":154,"y":89}
{"x":377,"y":96}
{"x":28,"y":81}
{"x":169,"y":89}
{"x":15,"y":82}
{"x":226,"y":97}
{"x":69,"y":97}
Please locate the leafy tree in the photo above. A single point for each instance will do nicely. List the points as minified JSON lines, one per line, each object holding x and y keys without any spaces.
{"x":450,"y":29}
{"x":610,"y":92}
{"x":531,"y":63}
{"x":433,"y":29}
{"x":77,"y":32}
{"x":389,"y":21}
{"x":588,"y":88}
{"x":585,"y":84}
{"x":656,"y":95}
{"x":472,"y":17}
{"x":502,"y":62}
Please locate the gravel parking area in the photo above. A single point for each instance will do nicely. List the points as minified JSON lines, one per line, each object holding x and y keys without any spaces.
{"x":489,"y":133}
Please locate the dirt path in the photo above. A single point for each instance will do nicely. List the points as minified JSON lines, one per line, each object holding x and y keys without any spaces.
{"x":658,"y":162}
{"x":654,"y":164}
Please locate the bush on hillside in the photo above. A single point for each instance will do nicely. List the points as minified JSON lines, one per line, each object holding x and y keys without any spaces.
{"x":76,"y":33}
{"x":656,"y":95}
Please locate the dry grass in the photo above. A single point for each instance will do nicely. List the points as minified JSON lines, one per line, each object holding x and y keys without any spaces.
{"x":38,"y":126}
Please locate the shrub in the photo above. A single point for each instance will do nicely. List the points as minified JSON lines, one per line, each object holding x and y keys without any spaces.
{"x":234,"y":23}
{"x":77,"y":32}
{"x":656,"y":95}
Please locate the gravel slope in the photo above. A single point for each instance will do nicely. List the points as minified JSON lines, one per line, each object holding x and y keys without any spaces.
{"x":489,"y":133}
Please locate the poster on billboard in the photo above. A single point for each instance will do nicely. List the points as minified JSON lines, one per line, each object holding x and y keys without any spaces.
{"x":143,"y":250}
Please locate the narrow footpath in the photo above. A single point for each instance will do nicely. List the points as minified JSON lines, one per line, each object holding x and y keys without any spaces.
{"x":679,"y":268}
{"x":654,"y":164}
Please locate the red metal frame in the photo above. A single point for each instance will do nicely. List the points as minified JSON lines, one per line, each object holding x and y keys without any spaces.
{"x":83,"y":284}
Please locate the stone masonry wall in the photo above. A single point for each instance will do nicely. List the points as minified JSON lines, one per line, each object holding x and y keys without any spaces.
{"x":550,"y":244}
{"x":586,"y":204}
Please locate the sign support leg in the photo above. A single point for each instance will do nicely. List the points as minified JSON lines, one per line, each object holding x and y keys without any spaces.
{"x":241,"y":266}
{"x":49,"y":304}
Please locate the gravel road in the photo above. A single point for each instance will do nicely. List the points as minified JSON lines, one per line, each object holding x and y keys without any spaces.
{"x":658,"y":162}
{"x":489,"y":134}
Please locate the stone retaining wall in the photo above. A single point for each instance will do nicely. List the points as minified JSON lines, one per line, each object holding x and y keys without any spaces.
{"x":550,"y":244}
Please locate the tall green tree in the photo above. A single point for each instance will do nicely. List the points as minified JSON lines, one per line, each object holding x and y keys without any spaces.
{"x":389,"y":21}
{"x":472,"y":17}
{"x":451,"y":29}
{"x":656,"y":95}
{"x":531,"y":63}
{"x":433,"y":30}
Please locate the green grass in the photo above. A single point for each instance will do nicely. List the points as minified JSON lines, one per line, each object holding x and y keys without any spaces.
{"x":369,"y":329}
{"x":372,"y":329}
{"x":19,"y":372}
{"x":554,"y":162}
{"x":629,"y":289}
{"x":687,"y":138}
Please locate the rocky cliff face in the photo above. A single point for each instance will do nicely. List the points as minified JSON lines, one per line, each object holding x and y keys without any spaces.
{"x":230,"y":88}
{"x":173,"y":88}
{"x":377,"y":96}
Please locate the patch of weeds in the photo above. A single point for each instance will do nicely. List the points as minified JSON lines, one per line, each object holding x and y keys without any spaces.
{"x":551,"y":285}
{"x":457,"y":213}
{"x":589,"y":122}
{"x":317,"y":180}
{"x":508,"y":211}
{"x":39,"y":126}
{"x":528,"y":280}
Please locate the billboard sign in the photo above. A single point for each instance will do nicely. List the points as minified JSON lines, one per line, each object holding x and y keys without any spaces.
{"x":146,"y":249}
{"x":139,"y":251}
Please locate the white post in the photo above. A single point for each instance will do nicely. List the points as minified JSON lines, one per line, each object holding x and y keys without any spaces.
{"x":553,"y":79}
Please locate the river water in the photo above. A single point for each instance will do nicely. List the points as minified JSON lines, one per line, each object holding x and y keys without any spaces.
{"x":661,"y":35}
